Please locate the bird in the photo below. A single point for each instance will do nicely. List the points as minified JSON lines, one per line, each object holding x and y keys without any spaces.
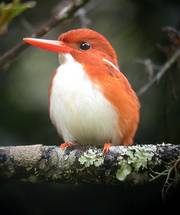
{"x":91,"y":102}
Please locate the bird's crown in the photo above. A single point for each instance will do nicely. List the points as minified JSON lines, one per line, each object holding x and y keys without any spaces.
{"x":86,"y":40}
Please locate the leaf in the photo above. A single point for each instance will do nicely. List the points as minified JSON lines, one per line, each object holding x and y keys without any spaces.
{"x":9,"y":11}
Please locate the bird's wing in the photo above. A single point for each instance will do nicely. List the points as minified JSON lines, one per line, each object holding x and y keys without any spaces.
{"x":119,"y":92}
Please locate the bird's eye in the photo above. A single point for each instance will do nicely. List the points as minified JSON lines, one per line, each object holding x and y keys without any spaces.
{"x":84,"y":46}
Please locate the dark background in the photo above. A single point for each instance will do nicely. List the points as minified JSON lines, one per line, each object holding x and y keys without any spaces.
{"x":134,"y":29}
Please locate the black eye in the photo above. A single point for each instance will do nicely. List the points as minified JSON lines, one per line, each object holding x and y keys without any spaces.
{"x":84,"y":46}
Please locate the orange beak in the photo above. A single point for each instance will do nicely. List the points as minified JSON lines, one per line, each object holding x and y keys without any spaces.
{"x":49,"y":45}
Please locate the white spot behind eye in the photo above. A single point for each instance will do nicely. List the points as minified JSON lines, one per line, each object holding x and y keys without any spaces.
{"x":111,"y":64}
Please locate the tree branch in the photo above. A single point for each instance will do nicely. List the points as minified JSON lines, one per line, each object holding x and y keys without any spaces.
{"x":85,"y":164}
{"x":63,"y":14}
{"x":160,"y":73}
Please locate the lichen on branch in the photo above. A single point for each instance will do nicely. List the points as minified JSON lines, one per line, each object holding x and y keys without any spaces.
{"x":84,"y":164}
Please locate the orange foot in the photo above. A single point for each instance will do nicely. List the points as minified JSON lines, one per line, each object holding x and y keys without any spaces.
{"x":106,"y":148}
{"x":65,"y":145}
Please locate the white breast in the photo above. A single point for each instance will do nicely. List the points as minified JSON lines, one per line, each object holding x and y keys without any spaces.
{"x":78,"y":109}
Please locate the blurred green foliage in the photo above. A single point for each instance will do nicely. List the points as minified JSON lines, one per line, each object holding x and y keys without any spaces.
{"x":8,"y":11}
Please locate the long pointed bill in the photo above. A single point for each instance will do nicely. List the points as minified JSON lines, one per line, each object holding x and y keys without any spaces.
{"x":49,"y":45}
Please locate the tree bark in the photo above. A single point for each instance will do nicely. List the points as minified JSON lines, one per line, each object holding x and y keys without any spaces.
{"x":38,"y":163}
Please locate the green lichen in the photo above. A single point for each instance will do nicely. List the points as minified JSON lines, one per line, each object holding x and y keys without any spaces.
{"x":132,"y":160}
{"x":123,"y":171}
{"x":91,"y":157}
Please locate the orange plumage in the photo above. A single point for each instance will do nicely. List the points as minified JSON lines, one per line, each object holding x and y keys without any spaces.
{"x":95,"y":60}
{"x":114,"y":84}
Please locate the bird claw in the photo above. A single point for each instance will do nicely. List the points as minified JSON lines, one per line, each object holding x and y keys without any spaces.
{"x":65,"y":145}
{"x":106,"y":148}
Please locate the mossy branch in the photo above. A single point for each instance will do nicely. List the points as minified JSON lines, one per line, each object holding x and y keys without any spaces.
{"x":79,"y":164}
